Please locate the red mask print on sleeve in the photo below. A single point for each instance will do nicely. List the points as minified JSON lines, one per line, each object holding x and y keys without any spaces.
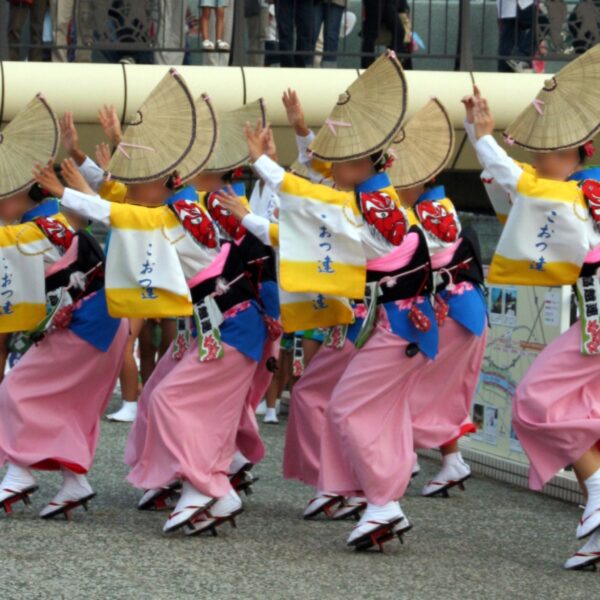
{"x":60,"y":235}
{"x":196,"y":222}
{"x":224,"y":219}
{"x":381,"y":213}
{"x":591,"y":191}
{"x":438,"y":221}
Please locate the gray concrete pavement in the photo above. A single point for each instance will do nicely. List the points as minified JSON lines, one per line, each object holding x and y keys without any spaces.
{"x":494,"y":542}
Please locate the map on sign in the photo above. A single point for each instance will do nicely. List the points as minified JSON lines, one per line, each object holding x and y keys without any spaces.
{"x":523,"y":321}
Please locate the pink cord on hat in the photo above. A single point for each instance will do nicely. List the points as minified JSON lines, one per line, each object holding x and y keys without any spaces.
{"x":333,"y":124}
{"x":120,"y":148}
{"x":537,"y":104}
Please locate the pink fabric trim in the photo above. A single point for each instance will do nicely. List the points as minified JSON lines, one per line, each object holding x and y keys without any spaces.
{"x":68,"y":258}
{"x":397,"y":258}
{"x":444,"y":257}
{"x":213,"y":270}
{"x":593,"y":256}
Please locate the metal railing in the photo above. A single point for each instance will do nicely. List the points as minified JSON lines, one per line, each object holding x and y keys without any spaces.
{"x":430,"y":34}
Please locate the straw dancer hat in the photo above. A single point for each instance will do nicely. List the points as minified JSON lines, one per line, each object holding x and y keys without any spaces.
{"x":160,"y":136}
{"x":566,"y":112}
{"x":423,"y":147}
{"x":231,"y":150}
{"x":31,"y":137}
{"x":367,"y":114}
{"x":205,"y":142}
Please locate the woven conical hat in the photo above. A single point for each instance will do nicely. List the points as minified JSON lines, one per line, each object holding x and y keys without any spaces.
{"x":367,"y":114}
{"x":231,"y":151}
{"x":566,"y":112}
{"x":422,"y":147}
{"x":31,"y":137}
{"x":205,"y":142}
{"x":160,"y":136}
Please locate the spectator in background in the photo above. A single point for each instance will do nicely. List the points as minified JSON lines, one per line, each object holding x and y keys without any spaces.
{"x":218,"y":8}
{"x":328,"y":15}
{"x":63,"y":17}
{"x":271,"y":43}
{"x":257,"y":22}
{"x":295,"y":22}
{"x":347,"y":24}
{"x":19,"y":11}
{"x":171,"y":32}
{"x":393,"y":16}
{"x":515,"y":24}
{"x":221,"y":59}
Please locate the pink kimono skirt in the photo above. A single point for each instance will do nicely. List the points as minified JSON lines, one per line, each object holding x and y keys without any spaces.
{"x":440,"y":401}
{"x":367,"y":443}
{"x":137,"y":433}
{"x":52,"y":401}
{"x":310,"y":397}
{"x":193,"y":415}
{"x":248,"y":440}
{"x":556,"y":410}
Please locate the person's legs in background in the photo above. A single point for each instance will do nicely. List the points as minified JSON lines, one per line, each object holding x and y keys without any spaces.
{"x":257,"y":19}
{"x":36,"y":29}
{"x":129,"y":377}
{"x":62,"y":12}
{"x":506,"y":42}
{"x":370,"y":31}
{"x":17,"y":18}
{"x":171,"y":33}
{"x":332,"y":21}
{"x":390,"y":18}
{"x":284,"y":13}
{"x":305,"y":32}
{"x":525,"y":41}
{"x":221,"y":59}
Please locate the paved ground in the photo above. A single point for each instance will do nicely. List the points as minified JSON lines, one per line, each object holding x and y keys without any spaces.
{"x":494,"y":541}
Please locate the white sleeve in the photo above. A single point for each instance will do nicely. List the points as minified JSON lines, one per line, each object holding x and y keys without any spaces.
{"x":92,"y":173}
{"x":470,"y":131}
{"x":270,"y":172}
{"x":90,"y":207}
{"x":302,"y":144}
{"x":258,"y":226}
{"x":496,"y":162}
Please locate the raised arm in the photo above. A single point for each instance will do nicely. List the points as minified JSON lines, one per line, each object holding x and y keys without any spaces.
{"x":91,"y":172}
{"x":494,"y":160}
{"x":267,"y":169}
{"x":295,"y":116}
{"x":86,"y":205}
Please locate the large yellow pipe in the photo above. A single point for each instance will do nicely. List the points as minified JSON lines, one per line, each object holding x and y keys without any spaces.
{"x":84,"y":88}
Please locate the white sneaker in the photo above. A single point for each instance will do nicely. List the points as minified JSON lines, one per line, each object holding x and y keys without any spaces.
{"x":261,"y":409}
{"x":223,"y":45}
{"x":351,"y":508}
{"x":271,"y":417}
{"x":18,"y":484}
{"x":590,"y":521}
{"x":587,"y":556}
{"x":454,"y":472}
{"x":378,"y":525}
{"x":190,"y":505}
{"x":223,"y":510}
{"x":322,"y":503}
{"x":207,"y":45}
{"x":126,"y":414}
{"x":75,"y":491}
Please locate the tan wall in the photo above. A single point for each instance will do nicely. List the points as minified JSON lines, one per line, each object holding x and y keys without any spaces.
{"x":84,"y":88}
